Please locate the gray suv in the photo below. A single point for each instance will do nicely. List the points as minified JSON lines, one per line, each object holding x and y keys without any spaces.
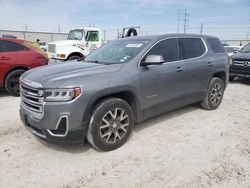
{"x":122,"y":83}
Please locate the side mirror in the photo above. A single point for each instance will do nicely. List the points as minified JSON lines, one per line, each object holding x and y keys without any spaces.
{"x":153,"y":60}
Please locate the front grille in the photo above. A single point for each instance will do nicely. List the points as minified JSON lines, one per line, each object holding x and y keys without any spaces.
{"x":32,"y":98}
{"x":51,"y":48}
{"x":241,"y":63}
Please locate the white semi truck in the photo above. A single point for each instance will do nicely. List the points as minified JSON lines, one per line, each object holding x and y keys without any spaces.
{"x":79,"y":43}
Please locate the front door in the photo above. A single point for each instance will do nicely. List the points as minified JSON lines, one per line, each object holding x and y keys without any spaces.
{"x":162,"y":85}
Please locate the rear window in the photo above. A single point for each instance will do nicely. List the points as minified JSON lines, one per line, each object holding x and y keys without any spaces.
{"x":34,"y":46}
{"x":216,"y":45}
{"x":191,"y":47}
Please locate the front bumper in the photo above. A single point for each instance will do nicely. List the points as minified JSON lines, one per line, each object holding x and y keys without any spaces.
{"x":241,"y":71}
{"x":68,"y":136}
{"x":55,"y":61}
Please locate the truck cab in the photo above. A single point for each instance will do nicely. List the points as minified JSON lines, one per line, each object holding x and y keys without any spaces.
{"x":80,"y":42}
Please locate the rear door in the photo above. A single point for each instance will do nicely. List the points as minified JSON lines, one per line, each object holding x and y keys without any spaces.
{"x":193,"y":52}
{"x":162,"y":85}
{"x":7,"y":57}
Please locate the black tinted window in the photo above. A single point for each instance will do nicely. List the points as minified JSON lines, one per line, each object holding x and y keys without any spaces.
{"x":216,"y":45}
{"x":1,"y":46}
{"x":191,"y":47}
{"x":8,"y":46}
{"x":168,"y":49}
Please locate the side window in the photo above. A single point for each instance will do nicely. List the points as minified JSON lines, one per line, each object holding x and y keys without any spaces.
{"x":168,"y":49}
{"x":92,"y":36}
{"x":1,"y":46}
{"x":216,"y":45}
{"x":191,"y":47}
{"x":12,"y":47}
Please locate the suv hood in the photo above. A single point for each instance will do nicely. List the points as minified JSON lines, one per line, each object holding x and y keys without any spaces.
{"x":242,"y":56}
{"x":60,"y":75}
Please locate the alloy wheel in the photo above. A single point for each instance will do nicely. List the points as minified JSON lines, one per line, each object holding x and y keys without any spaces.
{"x":114,"y":125}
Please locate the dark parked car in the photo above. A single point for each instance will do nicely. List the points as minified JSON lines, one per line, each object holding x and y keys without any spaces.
{"x":240,"y":65}
{"x":16,"y":57}
{"x":124,"y":82}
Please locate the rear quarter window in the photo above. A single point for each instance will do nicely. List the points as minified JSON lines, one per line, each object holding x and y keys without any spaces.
{"x":191,"y":47}
{"x":216,"y":45}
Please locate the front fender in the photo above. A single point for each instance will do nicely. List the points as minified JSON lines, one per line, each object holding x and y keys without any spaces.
{"x":109,"y":92}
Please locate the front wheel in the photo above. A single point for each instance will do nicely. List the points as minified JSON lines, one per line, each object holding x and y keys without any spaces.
{"x":214,"y":94}
{"x":74,"y":57}
{"x":111,"y":124}
{"x":231,"y":78}
{"x":12,"y":82}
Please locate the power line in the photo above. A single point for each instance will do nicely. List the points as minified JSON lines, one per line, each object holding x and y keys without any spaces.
{"x":185,"y":21}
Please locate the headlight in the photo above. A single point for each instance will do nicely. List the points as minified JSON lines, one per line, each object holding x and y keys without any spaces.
{"x":61,"y":56}
{"x":230,"y":60}
{"x":62,"y":94}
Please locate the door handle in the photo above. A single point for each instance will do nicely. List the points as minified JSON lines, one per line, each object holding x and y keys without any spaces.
{"x":4,"y":58}
{"x":179,"y":69}
{"x":210,"y":64}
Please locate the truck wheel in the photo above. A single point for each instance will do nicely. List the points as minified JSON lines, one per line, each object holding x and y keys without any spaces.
{"x":111,"y":124}
{"x":214,"y":94}
{"x":74,"y":57}
{"x":12,"y":82}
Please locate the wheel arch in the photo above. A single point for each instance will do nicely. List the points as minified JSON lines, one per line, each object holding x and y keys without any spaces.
{"x":75,"y":54}
{"x":126,"y":95}
{"x":222,"y":75}
{"x":13,"y":69}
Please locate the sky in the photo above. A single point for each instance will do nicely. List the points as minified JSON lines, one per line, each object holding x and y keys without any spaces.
{"x":226,"y":19}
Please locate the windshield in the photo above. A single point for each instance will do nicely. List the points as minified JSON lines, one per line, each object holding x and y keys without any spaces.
{"x":119,"y":51}
{"x":75,"y":34}
{"x":246,"y":49}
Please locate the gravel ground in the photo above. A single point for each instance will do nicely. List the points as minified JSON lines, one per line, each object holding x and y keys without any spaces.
{"x":189,"y":147}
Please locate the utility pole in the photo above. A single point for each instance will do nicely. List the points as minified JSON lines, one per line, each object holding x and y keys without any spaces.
{"x":178,"y":21}
{"x":26,"y":27}
{"x":104,"y":35}
{"x":201,"y":29}
{"x":247,"y":36}
{"x":185,"y":21}
{"x":59,"y":28}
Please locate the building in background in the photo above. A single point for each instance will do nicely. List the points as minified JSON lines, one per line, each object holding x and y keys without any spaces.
{"x":33,"y":35}
{"x":236,"y":42}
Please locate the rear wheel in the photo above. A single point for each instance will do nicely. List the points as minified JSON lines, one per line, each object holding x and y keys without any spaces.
{"x":214,"y":94}
{"x":111,"y":124}
{"x":12,"y":82}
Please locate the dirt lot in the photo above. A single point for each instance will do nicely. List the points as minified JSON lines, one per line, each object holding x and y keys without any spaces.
{"x":189,"y":147}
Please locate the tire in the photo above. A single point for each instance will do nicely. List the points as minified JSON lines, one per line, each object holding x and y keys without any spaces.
{"x":12,"y":82}
{"x":131,"y":32}
{"x":214,"y":94}
{"x":231,"y":78}
{"x":74,"y":57}
{"x":110,"y":117}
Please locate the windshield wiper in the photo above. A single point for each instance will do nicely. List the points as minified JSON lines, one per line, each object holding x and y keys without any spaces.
{"x":93,"y":61}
